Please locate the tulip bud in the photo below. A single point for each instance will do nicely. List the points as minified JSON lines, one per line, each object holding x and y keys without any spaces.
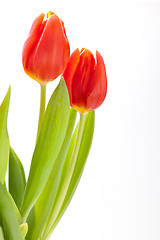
{"x":86,"y":80}
{"x":46,"y":51}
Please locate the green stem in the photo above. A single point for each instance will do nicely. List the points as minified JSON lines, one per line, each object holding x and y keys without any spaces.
{"x":68,"y":179}
{"x":42,"y":107}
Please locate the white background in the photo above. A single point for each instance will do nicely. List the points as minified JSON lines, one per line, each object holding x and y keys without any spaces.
{"x":118,"y":197}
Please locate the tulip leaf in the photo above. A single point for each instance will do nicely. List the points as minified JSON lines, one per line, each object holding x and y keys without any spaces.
{"x":17,"y":179}
{"x":86,"y":141}
{"x":1,"y":233}
{"x":44,"y":204}
{"x":19,"y":218}
{"x":4,"y":139}
{"x":4,"y":184}
{"x":24,"y":229}
{"x":48,"y":145}
{"x":10,"y":223}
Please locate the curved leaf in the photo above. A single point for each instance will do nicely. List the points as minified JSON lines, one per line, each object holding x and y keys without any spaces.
{"x":9,"y":219}
{"x":4,"y":139}
{"x":48,"y":145}
{"x":18,"y":215}
{"x":17,"y":181}
{"x":44,"y":203}
{"x":80,"y":163}
{"x":24,"y":229}
{"x":1,"y":233}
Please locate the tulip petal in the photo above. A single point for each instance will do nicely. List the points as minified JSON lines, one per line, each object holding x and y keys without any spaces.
{"x":31,"y":44}
{"x":52,"y":52}
{"x":70,"y":70}
{"x":86,"y":80}
{"x":81,"y":79}
{"x":98,"y":84}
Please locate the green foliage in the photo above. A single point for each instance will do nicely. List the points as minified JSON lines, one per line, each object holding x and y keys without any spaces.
{"x":9,"y":219}
{"x":37,"y":199}
{"x":44,"y":203}
{"x":80,"y":163}
{"x":17,"y":181}
{"x":48,"y":145}
{"x":19,"y":218}
{"x":4,"y":139}
{"x":1,"y":233}
{"x":24,"y":229}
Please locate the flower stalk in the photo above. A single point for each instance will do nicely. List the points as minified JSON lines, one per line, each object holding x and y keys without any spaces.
{"x":42,"y":107}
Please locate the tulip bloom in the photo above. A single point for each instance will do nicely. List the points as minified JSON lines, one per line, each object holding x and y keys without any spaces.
{"x":86,"y":80}
{"x":46,"y":51}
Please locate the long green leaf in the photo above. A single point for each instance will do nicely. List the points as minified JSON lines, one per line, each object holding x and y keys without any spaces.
{"x":9,"y":219}
{"x":4,"y":139}
{"x":44,"y":203}
{"x":17,"y":181}
{"x":18,"y":215}
{"x":0,"y":220}
{"x":24,"y":229}
{"x":48,"y":145}
{"x":1,"y":233}
{"x":80,"y":163}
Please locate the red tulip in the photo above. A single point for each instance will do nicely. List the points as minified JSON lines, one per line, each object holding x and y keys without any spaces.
{"x":46,"y":51}
{"x":86,"y":80}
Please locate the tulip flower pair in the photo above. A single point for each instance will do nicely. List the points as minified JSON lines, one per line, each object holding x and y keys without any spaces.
{"x":46,"y":55}
{"x":61,"y":149}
